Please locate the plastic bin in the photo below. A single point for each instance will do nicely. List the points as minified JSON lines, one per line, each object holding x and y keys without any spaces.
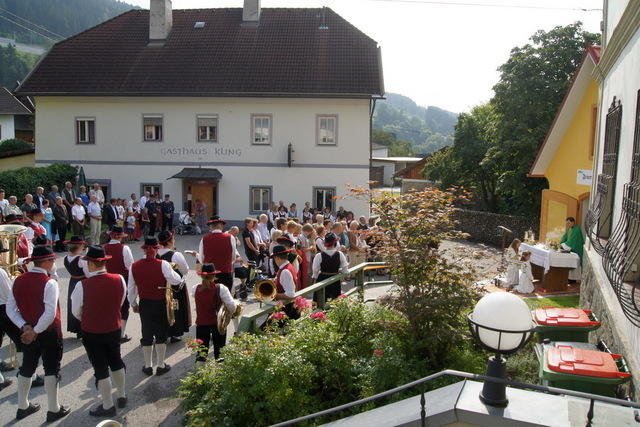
{"x":589,"y":371}
{"x":564,"y":324}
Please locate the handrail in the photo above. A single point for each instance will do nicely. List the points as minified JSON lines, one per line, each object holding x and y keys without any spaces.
{"x":461,"y":374}
{"x":247,"y":321}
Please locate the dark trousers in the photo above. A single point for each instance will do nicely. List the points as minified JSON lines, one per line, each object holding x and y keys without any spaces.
{"x":226,"y":279}
{"x":152,"y":225}
{"x":153,"y":316}
{"x":167,"y":223}
{"x":124,"y":310}
{"x":47,"y":345}
{"x":77,"y":228}
{"x":208,"y":333}
{"x":60,"y":229}
{"x":104,"y":352}
{"x":9,"y":328}
{"x":330,"y":292}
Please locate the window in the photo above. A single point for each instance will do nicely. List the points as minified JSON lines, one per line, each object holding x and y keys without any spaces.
{"x":85,"y":130}
{"x":327,"y":130}
{"x":152,"y":189}
{"x":208,"y":128}
{"x":260,"y":199}
{"x":323,"y":197}
{"x":152,"y":127}
{"x":261,"y":129}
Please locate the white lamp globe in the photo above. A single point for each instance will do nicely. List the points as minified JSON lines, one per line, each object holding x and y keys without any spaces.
{"x":505,"y":312}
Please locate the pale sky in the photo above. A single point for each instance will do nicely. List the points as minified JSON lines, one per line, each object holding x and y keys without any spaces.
{"x":441,"y":54}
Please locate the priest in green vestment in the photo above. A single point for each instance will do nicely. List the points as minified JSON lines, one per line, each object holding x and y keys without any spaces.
{"x":573,"y":237}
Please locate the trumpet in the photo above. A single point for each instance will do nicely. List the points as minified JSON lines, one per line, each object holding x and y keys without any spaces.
{"x":9,"y":234}
{"x":265,"y":290}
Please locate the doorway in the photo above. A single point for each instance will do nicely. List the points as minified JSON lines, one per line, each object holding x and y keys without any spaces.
{"x":207,"y":192}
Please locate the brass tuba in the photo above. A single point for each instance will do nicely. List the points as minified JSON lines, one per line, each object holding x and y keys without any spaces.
{"x":9,"y":235}
{"x":172,"y":303}
{"x":225,"y":316}
{"x":265,"y":290}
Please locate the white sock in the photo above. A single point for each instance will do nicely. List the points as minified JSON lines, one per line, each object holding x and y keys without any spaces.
{"x":161,"y":350}
{"x":147,"y":350}
{"x":1,"y":378}
{"x":104,"y":387}
{"x":19,"y":356}
{"x":51,"y":387}
{"x":118,"y":380}
{"x":124,"y":326}
{"x":24,"y":385}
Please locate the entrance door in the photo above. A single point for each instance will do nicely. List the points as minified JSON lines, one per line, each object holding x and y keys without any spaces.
{"x":206,"y":193}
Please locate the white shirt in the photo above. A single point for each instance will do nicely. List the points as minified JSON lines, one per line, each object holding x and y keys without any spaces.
{"x":287,"y":282}
{"x":51,"y":294}
{"x":172,"y":277}
{"x":177,"y":259}
{"x":320,"y":244}
{"x":263,"y":230}
{"x":256,"y":237}
{"x":53,"y":273}
{"x":126,"y":253}
{"x":317,"y":260}
{"x":225,"y":296}
{"x":233,"y":247}
{"x":77,"y":212}
{"x":6,"y":284}
{"x":81,"y":263}
{"x":77,"y":296}
{"x":30,"y":233}
{"x":143,"y":201}
{"x":99,"y":195}
{"x":94,"y":210}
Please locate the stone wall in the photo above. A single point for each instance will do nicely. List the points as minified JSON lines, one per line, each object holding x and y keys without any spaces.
{"x":483,"y":226}
{"x":592,"y":298}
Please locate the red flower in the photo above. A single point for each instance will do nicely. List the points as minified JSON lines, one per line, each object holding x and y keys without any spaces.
{"x":378,"y":352}
{"x":342,"y":296}
{"x":320,"y":315}
{"x":301,"y":303}
{"x":278,"y":315}
{"x":198,"y":341}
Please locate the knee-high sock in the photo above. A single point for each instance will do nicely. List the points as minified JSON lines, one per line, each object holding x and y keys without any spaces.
{"x":24,"y":385}
{"x":51,"y":387}
{"x":19,"y":356}
{"x":161,"y":350}
{"x":118,"y":380}
{"x":1,"y":378}
{"x":147,"y":350}
{"x":104,"y":386}
{"x":124,"y":326}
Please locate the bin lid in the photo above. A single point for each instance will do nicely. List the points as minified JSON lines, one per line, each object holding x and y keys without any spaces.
{"x":554,"y":316}
{"x":569,"y":360}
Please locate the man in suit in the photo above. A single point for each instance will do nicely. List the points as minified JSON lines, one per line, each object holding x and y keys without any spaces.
{"x":68,"y":195}
{"x":61,"y":221}
{"x":167,"y":213}
{"x":111,"y":213}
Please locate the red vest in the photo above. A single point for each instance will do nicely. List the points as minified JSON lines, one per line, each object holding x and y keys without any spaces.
{"x":38,"y":229}
{"x":102,"y":300}
{"x":217,"y":250}
{"x":293,"y":272}
{"x":28,"y":291}
{"x":115,"y":265}
{"x":207,"y":305}
{"x":149,"y":278}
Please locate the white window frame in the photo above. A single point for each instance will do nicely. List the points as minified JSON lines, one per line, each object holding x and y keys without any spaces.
{"x":217,"y":127}
{"x":150,"y":184}
{"x":319,"y":137}
{"x":323,"y":188}
{"x":144,"y":128}
{"x":262,"y":201}
{"x":78,"y":125}
{"x":269,"y":138}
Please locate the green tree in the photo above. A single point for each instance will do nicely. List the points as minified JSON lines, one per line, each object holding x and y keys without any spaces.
{"x":397,"y":148}
{"x":13,"y":67}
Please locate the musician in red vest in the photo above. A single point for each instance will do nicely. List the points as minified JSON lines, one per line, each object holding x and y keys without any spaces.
{"x":96,"y":301}
{"x":182,"y":315}
{"x":209,"y":297}
{"x":120,"y":262}
{"x":33,"y":307}
{"x":219,"y":248}
{"x":149,"y":278}
{"x":286,"y":280}
{"x":34,"y":227}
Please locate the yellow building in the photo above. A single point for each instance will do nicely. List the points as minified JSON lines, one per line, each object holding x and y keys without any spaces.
{"x":566,"y":155}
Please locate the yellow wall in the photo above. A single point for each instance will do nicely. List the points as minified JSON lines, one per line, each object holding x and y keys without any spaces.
{"x":16,"y":162}
{"x":574,"y":150}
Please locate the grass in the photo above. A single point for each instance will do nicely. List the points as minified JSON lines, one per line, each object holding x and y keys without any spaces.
{"x":569,"y":301}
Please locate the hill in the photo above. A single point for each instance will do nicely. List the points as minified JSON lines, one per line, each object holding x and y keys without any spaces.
{"x":427,"y":129}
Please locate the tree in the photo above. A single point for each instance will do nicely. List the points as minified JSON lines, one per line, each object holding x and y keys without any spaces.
{"x":12,"y":67}
{"x":397,"y":148}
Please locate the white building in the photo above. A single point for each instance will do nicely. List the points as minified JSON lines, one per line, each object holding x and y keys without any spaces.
{"x":238,"y":107}
{"x":15,"y":117}
{"x":611,"y":283}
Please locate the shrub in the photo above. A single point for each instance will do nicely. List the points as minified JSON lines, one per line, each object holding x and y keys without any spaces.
{"x":13,"y":145}
{"x":18,"y":182}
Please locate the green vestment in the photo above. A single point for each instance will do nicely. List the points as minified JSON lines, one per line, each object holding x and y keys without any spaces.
{"x":573,"y":238}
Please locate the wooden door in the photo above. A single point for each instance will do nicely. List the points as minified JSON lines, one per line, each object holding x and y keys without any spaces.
{"x":207,"y":193}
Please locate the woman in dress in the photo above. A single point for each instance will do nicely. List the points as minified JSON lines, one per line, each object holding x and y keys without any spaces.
{"x":77,"y":268}
{"x":513,"y":263}
{"x":48,"y":218}
{"x":525,"y":282}
{"x":201,"y":215}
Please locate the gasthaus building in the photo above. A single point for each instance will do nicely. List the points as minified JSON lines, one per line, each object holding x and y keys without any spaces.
{"x":238,"y":107}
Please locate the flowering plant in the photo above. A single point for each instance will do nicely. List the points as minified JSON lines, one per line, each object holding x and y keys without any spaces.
{"x":378,"y":352}
{"x":554,"y":244}
{"x":301,"y":304}
{"x":320,"y":315}
{"x":196,"y":347}
{"x":278,"y":315}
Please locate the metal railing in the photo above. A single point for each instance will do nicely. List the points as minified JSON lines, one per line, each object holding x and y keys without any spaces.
{"x":467,"y":375}
{"x":248,"y":321}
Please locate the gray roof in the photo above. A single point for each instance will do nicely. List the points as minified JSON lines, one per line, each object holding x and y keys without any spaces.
{"x":9,"y":104}
{"x":199,"y":173}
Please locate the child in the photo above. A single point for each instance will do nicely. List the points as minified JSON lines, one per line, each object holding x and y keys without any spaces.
{"x":525,"y":282}
{"x":513,"y":263}
{"x":209,"y":297}
{"x":131,"y":225}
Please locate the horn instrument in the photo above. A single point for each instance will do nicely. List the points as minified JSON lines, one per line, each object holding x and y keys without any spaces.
{"x":265,"y":290}
{"x":9,"y":235}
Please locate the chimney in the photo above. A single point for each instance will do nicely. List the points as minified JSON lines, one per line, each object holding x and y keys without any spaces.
{"x":160,"y":21}
{"x":251,"y":11}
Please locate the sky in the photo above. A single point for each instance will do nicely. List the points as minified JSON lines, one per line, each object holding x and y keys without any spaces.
{"x":436,"y":53}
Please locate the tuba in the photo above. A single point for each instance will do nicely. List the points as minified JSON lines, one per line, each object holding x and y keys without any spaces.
{"x":225,"y":316}
{"x":9,"y":235}
{"x":265,"y":290}
{"x":172,"y":303}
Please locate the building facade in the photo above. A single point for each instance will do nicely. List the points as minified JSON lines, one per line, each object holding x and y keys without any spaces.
{"x":236,"y":107}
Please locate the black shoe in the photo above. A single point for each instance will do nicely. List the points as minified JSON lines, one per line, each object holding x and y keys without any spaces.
{"x":122,"y":402}
{"x":99,"y":411}
{"x":37,"y":381}
{"x":147,"y":371}
{"x":4,"y":367}
{"x":125,"y":339}
{"x":7,"y":382}
{"x":55,"y":416}
{"x":174,"y":340}
{"x":31,"y":409}
{"x":162,"y":371}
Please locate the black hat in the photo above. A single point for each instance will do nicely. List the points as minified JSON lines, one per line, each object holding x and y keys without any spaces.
{"x":12,"y":218}
{"x":215,"y":220}
{"x":164,"y":236}
{"x":151,"y":242}
{"x":96,"y":253}
{"x":42,"y":253}
{"x":208,"y":270}
{"x":279,"y":250}
{"x":75,"y":240}
{"x":117,"y":231}
{"x":41,"y":239}
{"x":285,"y":240}
{"x":330,"y":238}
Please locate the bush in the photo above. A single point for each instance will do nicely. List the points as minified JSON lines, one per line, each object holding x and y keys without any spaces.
{"x":358,"y":351}
{"x":14,"y":145}
{"x":18,"y":182}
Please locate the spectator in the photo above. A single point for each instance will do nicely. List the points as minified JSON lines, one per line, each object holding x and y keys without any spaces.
{"x":61,"y":221}
{"x":84,"y":196}
{"x":362,"y":223}
{"x":281,"y":205}
{"x":251,"y":249}
{"x":121,"y":212}
{"x":263,"y":228}
{"x":78,"y":218}
{"x":39,"y":197}
{"x":293,"y":212}
{"x":47,"y":221}
{"x":132,"y":198}
{"x":3,"y":204}
{"x":12,"y":207}
{"x":68,"y":195}
{"x":110,"y":214}
{"x":52,"y":195}
{"x":201,"y":215}
{"x":28,"y":206}
{"x":95,"y":219}
{"x":97,"y":191}
{"x":167,"y":213}
{"x":144,"y":199}
{"x":357,"y":248}
{"x":152,"y":212}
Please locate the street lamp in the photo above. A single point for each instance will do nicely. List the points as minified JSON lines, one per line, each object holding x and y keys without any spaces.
{"x":501,"y":322}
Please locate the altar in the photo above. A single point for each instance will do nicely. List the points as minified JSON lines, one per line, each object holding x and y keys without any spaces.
{"x":551,"y":266}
